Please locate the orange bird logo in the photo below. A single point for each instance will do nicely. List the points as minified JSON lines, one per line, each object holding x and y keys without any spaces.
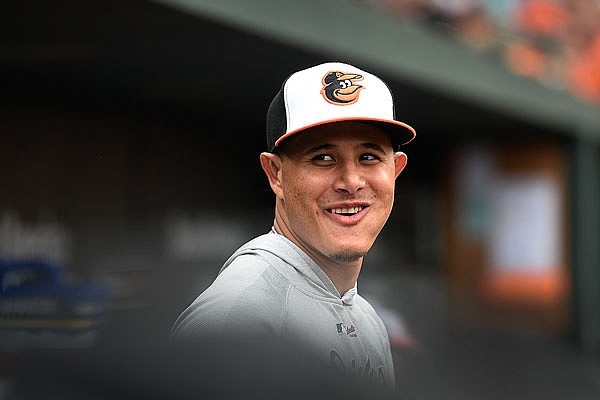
{"x":340,"y":88}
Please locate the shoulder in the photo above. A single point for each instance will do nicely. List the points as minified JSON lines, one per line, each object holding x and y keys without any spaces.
{"x":248,"y":296}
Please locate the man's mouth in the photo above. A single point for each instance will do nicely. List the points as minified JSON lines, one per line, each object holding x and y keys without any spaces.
{"x":346,"y":211}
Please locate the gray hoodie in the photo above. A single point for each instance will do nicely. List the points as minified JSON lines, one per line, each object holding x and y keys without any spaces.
{"x":269,"y":286}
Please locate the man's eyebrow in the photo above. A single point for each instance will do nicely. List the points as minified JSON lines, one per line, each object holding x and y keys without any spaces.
{"x":373,"y":146}
{"x":325,"y":146}
{"x":328,"y":146}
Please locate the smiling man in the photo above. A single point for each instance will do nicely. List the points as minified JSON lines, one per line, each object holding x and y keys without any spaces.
{"x":332,"y":163}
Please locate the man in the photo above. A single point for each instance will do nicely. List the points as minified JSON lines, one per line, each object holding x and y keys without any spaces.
{"x":332,"y":164}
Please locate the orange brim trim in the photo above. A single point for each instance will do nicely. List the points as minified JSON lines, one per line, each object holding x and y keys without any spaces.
{"x":410,"y":129}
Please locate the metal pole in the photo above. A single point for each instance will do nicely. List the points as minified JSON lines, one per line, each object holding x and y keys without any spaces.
{"x":585,"y":244}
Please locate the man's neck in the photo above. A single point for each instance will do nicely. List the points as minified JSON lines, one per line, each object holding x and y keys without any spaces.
{"x":343,"y":274}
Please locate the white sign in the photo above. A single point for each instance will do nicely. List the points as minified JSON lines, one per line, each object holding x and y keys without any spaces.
{"x":525,"y":225}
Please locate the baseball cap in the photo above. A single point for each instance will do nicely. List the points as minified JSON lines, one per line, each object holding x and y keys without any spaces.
{"x":333,"y":92}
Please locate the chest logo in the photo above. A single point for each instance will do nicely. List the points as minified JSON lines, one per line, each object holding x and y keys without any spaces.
{"x":376,"y":373}
{"x":348,"y":330}
{"x":340,"y":88}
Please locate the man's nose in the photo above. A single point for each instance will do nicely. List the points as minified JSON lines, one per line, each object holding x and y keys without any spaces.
{"x":350,"y":178}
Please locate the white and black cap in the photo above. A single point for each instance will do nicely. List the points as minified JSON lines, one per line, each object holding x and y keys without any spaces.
{"x":329,"y":93}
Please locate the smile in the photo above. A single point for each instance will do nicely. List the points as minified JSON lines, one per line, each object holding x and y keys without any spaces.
{"x":346,"y":211}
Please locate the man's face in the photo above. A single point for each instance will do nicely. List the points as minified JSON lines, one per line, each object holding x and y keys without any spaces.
{"x":335,"y":189}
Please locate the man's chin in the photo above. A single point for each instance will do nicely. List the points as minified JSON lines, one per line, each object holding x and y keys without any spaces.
{"x":347,"y":257}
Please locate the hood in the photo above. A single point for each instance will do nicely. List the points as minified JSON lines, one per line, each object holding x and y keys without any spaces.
{"x":291,"y":262}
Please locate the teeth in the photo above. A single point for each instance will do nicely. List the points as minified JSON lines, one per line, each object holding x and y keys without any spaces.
{"x":351,"y":210}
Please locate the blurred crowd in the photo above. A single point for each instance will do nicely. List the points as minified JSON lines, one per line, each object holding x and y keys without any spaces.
{"x":556,"y":42}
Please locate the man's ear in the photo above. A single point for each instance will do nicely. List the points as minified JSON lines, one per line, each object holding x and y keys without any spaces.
{"x":400,"y":161}
{"x":271,"y":164}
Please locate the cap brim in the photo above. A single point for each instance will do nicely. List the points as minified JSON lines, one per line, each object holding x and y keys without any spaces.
{"x":399,"y":132}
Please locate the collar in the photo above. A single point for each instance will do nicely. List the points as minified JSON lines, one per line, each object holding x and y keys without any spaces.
{"x":348,"y":297}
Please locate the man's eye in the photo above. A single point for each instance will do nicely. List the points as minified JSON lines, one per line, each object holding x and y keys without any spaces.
{"x":323,"y":157}
{"x":369,"y":157}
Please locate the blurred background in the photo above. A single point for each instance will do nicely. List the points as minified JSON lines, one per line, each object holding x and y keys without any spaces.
{"x":129,"y":170}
